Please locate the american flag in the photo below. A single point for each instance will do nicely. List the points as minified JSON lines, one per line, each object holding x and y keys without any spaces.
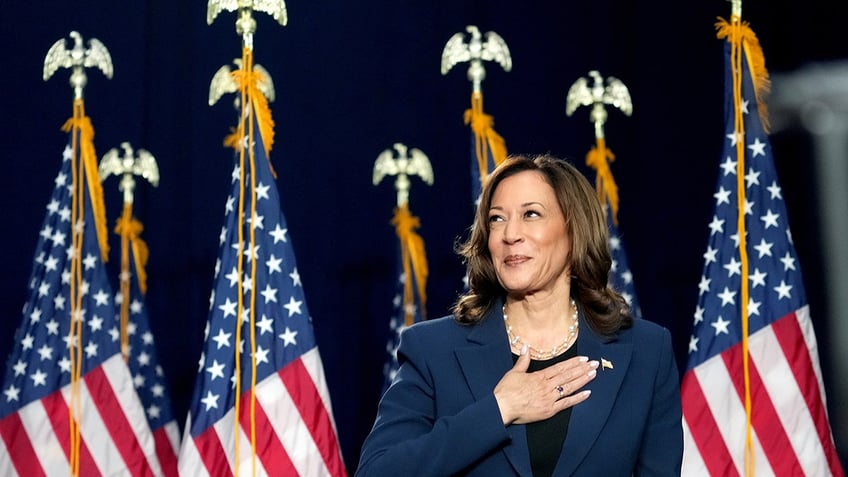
{"x":143,"y":361}
{"x":621,"y":279}
{"x":289,"y":427}
{"x":790,"y":433}
{"x":39,"y":395}
{"x":406,"y":311}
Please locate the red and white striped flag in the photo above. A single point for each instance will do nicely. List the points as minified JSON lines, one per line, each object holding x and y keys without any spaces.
{"x":753,"y":398}
{"x":68,"y":405}
{"x":261,"y":405}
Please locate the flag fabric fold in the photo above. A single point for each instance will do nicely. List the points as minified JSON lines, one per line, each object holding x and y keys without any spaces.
{"x":68,"y":405}
{"x":142,"y":357}
{"x":410,"y":301}
{"x":261,"y":405}
{"x":753,"y":397}
{"x":621,"y":278}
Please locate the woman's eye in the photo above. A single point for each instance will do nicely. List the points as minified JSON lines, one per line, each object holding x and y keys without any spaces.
{"x":532,"y":213}
{"x":495,"y":218}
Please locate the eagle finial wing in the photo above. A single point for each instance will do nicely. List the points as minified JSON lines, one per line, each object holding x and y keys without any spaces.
{"x":264,"y":83}
{"x":57,"y":57}
{"x":495,"y":49}
{"x":617,"y":94}
{"x":455,"y":51}
{"x":222,"y":83}
{"x":146,"y":167}
{"x":98,"y":56}
{"x":110,"y":164}
{"x":383,"y":166}
{"x":578,"y":95}
{"x":420,"y":165}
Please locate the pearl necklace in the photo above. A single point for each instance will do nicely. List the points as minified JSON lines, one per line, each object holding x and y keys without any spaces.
{"x":516,"y":342}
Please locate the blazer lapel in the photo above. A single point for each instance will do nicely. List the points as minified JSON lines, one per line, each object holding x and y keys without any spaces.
{"x":589,"y":417}
{"x":484,"y":362}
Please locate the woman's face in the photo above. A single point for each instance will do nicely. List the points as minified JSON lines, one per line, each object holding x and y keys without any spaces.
{"x":528,"y":239}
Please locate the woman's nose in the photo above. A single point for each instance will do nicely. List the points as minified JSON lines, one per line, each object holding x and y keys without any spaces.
{"x":512,"y":231}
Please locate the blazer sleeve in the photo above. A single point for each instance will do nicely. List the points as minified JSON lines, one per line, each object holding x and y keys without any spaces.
{"x":409,"y":438}
{"x":661,"y":453}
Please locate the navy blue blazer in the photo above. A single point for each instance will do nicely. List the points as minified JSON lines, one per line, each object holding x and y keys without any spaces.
{"x":440,"y":416}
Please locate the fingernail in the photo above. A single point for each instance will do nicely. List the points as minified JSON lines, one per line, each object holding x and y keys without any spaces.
{"x":594,"y":364}
{"x":592,"y":373}
{"x":524,"y":350}
{"x":586,"y":392}
{"x":583,"y":359}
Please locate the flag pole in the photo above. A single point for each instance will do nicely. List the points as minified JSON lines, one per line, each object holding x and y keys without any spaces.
{"x":84,"y":169}
{"x":616,"y":94}
{"x":475,"y":52}
{"x":253,"y":109}
{"x":409,"y":162}
{"x":736,"y":33}
{"x":142,"y":164}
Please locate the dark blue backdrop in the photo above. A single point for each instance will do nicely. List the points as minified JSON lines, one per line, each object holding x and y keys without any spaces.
{"x":351,"y":79}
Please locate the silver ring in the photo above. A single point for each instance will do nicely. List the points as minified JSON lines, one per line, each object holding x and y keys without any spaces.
{"x":561,"y":391}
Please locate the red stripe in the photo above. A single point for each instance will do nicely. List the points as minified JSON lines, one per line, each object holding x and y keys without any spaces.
{"x":165,"y":452}
{"x":791,"y":339}
{"x":19,"y":446}
{"x":269,"y":448}
{"x":212,"y":453}
{"x":120,"y":430}
{"x":764,"y":417}
{"x":702,"y":425}
{"x":57,"y":414}
{"x":302,"y":389}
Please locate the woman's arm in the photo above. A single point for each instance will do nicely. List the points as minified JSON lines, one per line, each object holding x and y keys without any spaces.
{"x":661,"y":453}
{"x":409,"y":439}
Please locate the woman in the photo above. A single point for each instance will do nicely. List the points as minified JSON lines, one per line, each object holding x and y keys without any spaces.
{"x":540,"y":370}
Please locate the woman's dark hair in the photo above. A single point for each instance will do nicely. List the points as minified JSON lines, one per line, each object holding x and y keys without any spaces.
{"x":605,"y":310}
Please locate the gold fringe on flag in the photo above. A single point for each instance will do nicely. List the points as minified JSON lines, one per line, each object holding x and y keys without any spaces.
{"x":129,"y":229}
{"x":746,"y":37}
{"x":82,"y":123}
{"x":249,"y":79}
{"x":83,"y":169}
{"x":599,"y":158}
{"x":414,"y":261}
{"x":486,"y":138}
{"x":744,"y":46}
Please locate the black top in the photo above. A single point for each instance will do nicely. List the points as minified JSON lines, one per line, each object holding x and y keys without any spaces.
{"x":545,"y":438}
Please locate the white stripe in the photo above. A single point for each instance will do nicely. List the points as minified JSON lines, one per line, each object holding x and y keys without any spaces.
{"x":693,"y":464}
{"x":47,"y":447}
{"x":173,"y":434}
{"x":312,"y":361}
{"x":246,"y":458}
{"x":189,"y":461}
{"x":118,"y":374}
{"x":6,"y":467}
{"x":806,"y":324}
{"x":729,"y":413}
{"x":288,"y":424}
{"x":95,"y":435}
{"x":224,"y":431}
{"x":789,"y":404}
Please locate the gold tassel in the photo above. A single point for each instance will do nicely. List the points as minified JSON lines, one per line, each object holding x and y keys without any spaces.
{"x":262,"y":113}
{"x":131,"y":228}
{"x":756,"y":63}
{"x":486,"y":138}
{"x":89,"y":160}
{"x":414,"y":261}
{"x":599,"y":158}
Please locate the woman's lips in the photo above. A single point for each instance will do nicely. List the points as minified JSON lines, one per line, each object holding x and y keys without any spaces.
{"x":515,"y":259}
